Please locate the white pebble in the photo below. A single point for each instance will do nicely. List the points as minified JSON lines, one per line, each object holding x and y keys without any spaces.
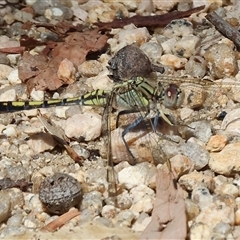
{"x":13,"y":77}
{"x":86,"y":125}
{"x":9,"y":95}
{"x":10,"y":131}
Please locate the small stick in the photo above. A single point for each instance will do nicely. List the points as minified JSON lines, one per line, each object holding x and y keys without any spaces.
{"x":61,"y":220}
{"x":225,"y":28}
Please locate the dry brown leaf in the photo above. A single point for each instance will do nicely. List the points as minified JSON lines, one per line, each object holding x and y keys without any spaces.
{"x":168,"y":216}
{"x":41,"y":73}
{"x":61,"y":220}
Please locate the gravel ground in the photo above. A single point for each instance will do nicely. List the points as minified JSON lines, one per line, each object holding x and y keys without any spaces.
{"x":203,"y":146}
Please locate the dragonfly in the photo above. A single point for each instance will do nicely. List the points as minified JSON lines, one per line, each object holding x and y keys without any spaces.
{"x":137,"y":95}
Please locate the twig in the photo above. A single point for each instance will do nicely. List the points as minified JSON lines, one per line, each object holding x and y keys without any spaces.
{"x":225,"y":28}
{"x":61,"y":220}
{"x":148,"y":21}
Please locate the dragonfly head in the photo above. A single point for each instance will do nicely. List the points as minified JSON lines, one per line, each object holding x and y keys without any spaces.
{"x":173,"y":97}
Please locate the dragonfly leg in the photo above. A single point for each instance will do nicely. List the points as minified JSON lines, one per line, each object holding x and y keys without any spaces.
{"x":128,"y":129}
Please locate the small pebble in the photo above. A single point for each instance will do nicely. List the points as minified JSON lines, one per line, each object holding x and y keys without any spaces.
{"x":5,"y":206}
{"x":87,"y":125}
{"x":197,"y":154}
{"x":196,"y":66}
{"x":202,"y":197}
{"x":109,"y":211}
{"x":41,"y":142}
{"x":90,"y":68}
{"x":178,"y":28}
{"x":134,"y":175}
{"x":174,"y":61}
{"x":216,"y":143}
{"x":66,"y":72}
{"x":186,"y":46}
{"x":143,"y":199}
{"x":93,"y":202}
{"x":164,"y":6}
{"x":192,"y":209}
{"x":196,"y":179}
{"x":226,"y":162}
{"x":5,"y":71}
{"x":221,"y":60}
{"x":127,"y":36}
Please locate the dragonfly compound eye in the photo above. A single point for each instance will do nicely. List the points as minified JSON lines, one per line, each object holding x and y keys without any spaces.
{"x":173,"y":97}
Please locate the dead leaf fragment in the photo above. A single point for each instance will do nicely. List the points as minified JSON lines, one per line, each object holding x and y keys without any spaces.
{"x":40,"y":71}
{"x":168,"y":216}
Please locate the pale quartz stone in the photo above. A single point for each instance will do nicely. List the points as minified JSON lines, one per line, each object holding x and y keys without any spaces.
{"x":86,"y":125}
{"x":5,"y":71}
{"x":127,"y":36}
{"x":13,"y":77}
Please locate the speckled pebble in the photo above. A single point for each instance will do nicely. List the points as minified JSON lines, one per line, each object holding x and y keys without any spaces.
{"x":186,"y":46}
{"x":109,"y":211}
{"x":93,"y":202}
{"x":220,"y":210}
{"x":125,"y":218}
{"x":200,"y":231}
{"x":106,"y":12}
{"x":202,"y":197}
{"x":221,"y":60}
{"x":178,"y":28}
{"x":90,"y":68}
{"x":196,"y":179}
